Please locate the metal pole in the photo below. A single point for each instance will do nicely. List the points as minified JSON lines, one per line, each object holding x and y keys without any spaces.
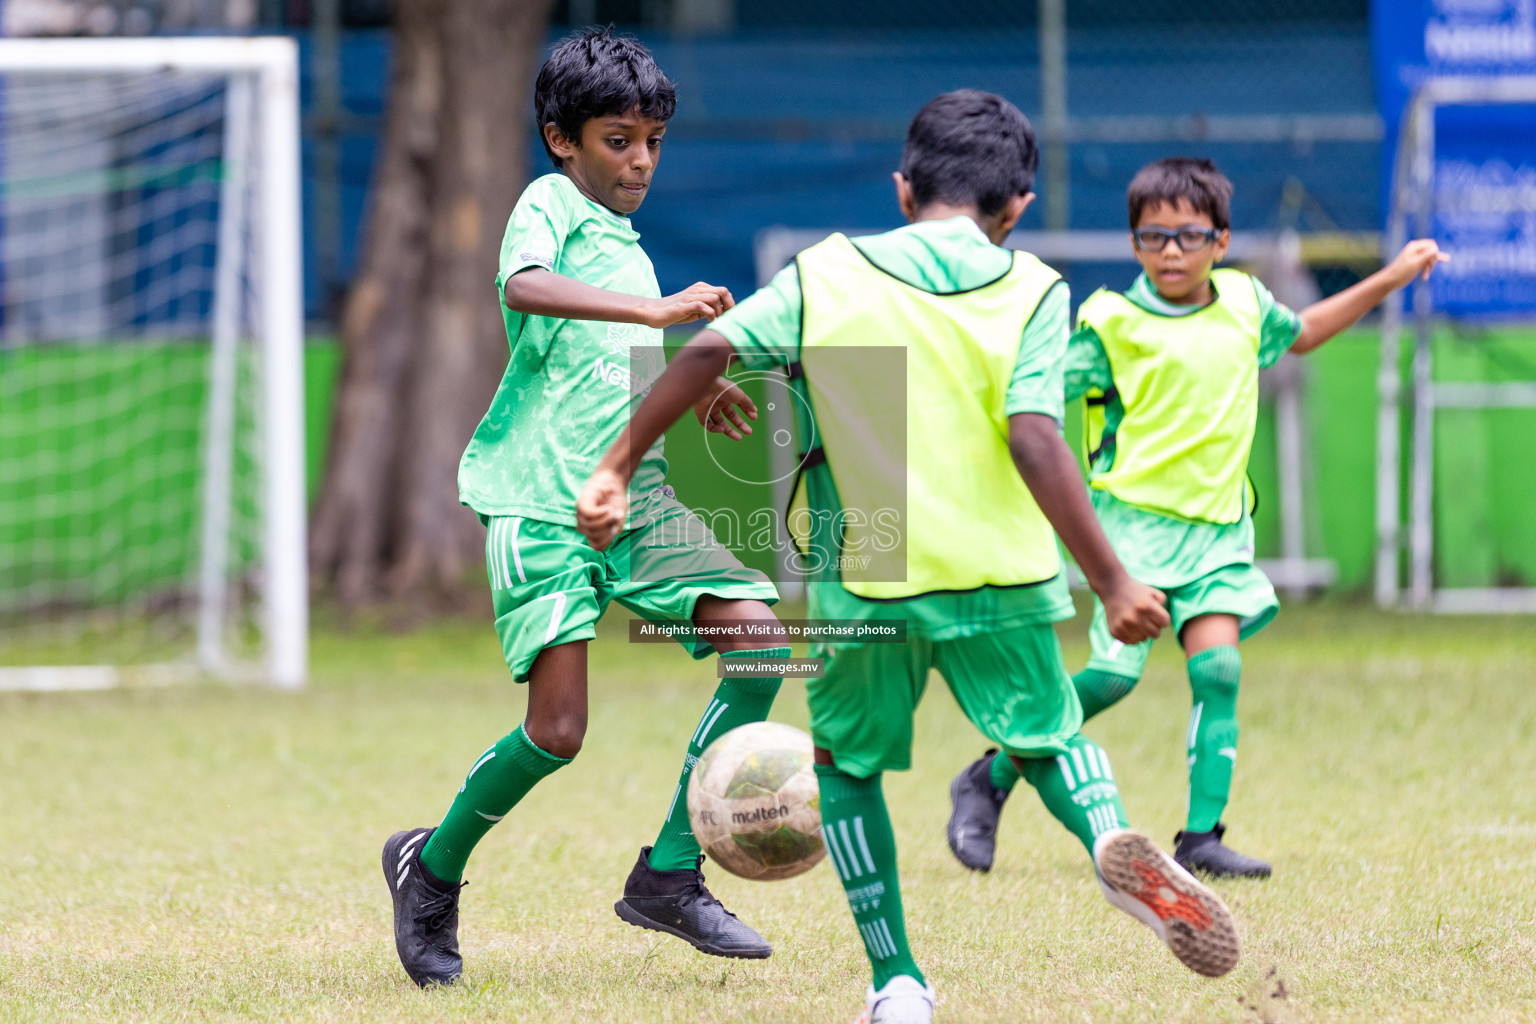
{"x":1287,"y":277}
{"x":1389,"y":378}
{"x":1388,"y":453}
{"x":1053,"y":111}
{"x":1421,"y":500}
{"x":282,"y":323}
{"x":1421,"y":497}
{"x":218,"y":456}
{"x":1293,"y":514}
{"x":326,"y":125}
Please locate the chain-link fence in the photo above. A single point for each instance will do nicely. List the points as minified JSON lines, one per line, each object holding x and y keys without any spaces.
{"x":793,"y":111}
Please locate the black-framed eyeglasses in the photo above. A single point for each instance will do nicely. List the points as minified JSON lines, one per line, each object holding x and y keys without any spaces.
{"x":1190,"y":239}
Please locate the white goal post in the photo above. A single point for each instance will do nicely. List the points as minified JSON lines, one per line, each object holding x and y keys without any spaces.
{"x":220,"y":275}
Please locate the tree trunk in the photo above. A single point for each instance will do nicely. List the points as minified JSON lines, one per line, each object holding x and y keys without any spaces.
{"x":421,"y":330}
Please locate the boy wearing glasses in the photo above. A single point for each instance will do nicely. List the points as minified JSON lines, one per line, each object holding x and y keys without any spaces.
{"x":1174,"y":365}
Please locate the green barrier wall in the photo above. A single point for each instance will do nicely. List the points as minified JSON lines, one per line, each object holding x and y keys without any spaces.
{"x":1483,"y":460}
{"x":1483,"y":490}
{"x":1484,"y":484}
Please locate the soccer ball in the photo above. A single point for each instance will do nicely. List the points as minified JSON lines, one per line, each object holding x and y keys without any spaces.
{"x":754,"y":802}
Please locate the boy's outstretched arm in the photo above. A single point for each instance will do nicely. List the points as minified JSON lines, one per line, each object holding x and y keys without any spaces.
{"x":692,"y":375}
{"x":1327,"y":317}
{"x":541,"y":292}
{"x":1134,"y":611}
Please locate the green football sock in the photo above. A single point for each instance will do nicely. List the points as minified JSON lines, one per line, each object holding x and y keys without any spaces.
{"x":1079,"y":789}
{"x":1096,"y":691}
{"x":1212,"y":736}
{"x":862,"y":848}
{"x":1004,"y":775}
{"x":738,"y":701}
{"x":503,"y":776}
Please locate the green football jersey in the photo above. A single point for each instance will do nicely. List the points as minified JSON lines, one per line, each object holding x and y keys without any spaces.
{"x":570,"y":385}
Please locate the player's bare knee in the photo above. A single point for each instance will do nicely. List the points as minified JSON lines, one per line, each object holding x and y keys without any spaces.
{"x":559,"y":734}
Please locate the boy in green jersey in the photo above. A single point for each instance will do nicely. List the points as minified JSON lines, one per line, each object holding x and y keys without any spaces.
{"x":1174,"y":366}
{"x":934,"y":403}
{"x":584,"y":316}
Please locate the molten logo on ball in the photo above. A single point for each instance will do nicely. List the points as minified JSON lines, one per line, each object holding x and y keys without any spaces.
{"x":754,"y":803}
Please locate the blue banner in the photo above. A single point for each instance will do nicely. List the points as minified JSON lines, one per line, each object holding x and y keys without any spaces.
{"x":1485,"y":157}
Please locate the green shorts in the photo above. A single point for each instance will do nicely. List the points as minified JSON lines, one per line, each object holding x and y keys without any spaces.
{"x":1012,"y":685}
{"x":549,"y":587}
{"x":1241,"y":590}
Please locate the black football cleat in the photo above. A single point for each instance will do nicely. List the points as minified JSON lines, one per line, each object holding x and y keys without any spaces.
{"x":1203,"y":851}
{"x":678,"y":903}
{"x":426,"y":912}
{"x":975,"y":806}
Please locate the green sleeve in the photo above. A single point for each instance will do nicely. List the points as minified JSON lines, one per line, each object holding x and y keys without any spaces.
{"x":1036,"y":383}
{"x":764,"y":328}
{"x":1086,"y":367}
{"x":1279,"y":326}
{"x":536,"y":231}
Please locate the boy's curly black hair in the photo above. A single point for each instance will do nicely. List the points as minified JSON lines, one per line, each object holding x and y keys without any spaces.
{"x":1191,"y":179}
{"x":598,"y":74}
{"x":969,"y":147}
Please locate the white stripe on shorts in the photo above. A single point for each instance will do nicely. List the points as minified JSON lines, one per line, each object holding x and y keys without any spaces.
{"x":501,"y":555}
{"x":517,"y":558}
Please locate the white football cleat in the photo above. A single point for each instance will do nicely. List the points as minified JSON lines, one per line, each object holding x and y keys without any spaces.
{"x":903,"y":1000}
{"x":1140,"y":879}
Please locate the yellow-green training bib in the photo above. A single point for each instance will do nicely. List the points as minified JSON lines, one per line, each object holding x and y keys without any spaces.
{"x":1189,"y":386}
{"x":921,"y":457}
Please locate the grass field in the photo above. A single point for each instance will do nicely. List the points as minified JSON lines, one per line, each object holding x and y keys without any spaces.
{"x":209,"y":853}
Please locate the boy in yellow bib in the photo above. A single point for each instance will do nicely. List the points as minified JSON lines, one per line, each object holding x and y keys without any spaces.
{"x":927,"y":363}
{"x":1174,"y":365}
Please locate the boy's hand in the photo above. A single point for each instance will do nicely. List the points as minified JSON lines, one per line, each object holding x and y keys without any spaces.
{"x":696,"y":302}
{"x":1418,"y":258}
{"x":1325,"y":318}
{"x":1135,"y":612}
{"x":602,"y":507}
{"x":720,"y":411}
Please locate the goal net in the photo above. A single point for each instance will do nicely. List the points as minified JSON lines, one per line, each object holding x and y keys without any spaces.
{"x":151,"y":396}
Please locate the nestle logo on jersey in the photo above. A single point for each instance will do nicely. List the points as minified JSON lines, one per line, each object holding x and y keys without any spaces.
{"x":611,"y":373}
